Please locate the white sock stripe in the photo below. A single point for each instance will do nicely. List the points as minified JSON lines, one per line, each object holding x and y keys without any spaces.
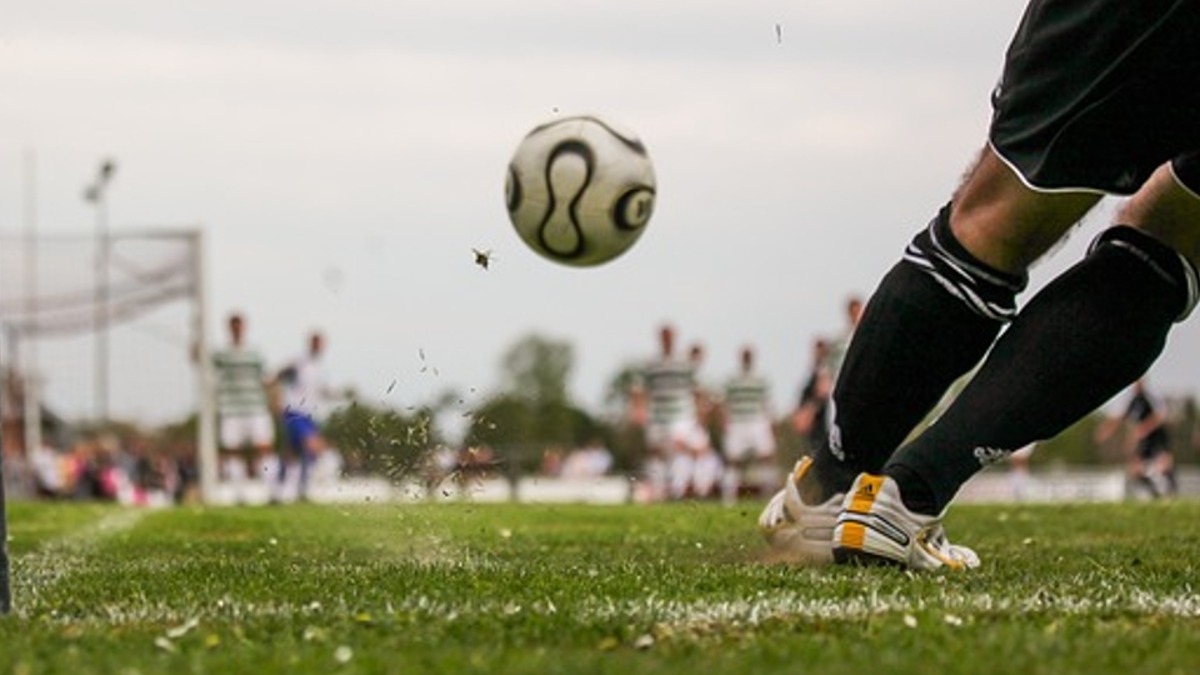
{"x":969,"y":269}
{"x":1190,"y":282}
{"x":983,"y":307}
{"x":923,"y":259}
{"x":968,"y":297}
{"x":958,"y":280}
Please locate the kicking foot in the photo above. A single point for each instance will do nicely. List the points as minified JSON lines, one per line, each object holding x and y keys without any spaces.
{"x":875,"y":527}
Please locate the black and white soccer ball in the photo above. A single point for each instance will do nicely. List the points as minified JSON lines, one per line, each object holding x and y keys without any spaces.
{"x":580,"y":190}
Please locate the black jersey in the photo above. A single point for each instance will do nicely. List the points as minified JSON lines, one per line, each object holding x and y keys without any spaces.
{"x":1141,"y":408}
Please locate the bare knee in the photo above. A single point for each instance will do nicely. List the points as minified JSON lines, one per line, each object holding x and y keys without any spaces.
{"x":1168,"y":211}
{"x":1007,"y":224}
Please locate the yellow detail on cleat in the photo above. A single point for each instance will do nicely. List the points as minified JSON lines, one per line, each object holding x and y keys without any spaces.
{"x":864,"y":497}
{"x":801,"y":468}
{"x":853,"y":536}
{"x":952,"y":563}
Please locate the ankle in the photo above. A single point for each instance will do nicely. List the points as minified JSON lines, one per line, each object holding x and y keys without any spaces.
{"x":825,"y":480}
{"x":915,"y":491}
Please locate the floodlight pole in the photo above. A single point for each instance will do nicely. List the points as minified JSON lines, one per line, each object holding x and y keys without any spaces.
{"x":32,"y":412}
{"x":96,"y":193}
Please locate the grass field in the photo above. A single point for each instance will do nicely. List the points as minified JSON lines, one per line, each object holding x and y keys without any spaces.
{"x":680,"y":588}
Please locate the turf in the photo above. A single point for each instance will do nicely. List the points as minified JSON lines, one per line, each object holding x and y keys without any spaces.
{"x":680,"y":588}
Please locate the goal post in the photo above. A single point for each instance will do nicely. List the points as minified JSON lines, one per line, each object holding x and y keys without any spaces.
{"x":70,"y":301}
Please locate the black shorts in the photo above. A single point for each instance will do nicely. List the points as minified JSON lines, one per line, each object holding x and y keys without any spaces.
{"x":1148,"y":450}
{"x":1097,"y":94}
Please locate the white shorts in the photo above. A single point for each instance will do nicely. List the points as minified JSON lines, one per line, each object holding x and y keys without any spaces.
{"x":665,"y":439}
{"x":754,"y":437}
{"x":255,"y":430}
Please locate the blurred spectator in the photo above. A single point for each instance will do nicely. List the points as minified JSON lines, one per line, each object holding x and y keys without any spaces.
{"x":94,"y":473}
{"x":475,"y":465}
{"x":811,"y":418}
{"x":591,"y":461}
{"x":1019,"y":471}
{"x":552,"y":462}
{"x":49,"y":471}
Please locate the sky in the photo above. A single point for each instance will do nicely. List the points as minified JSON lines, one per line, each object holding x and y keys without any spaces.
{"x":344,"y":158}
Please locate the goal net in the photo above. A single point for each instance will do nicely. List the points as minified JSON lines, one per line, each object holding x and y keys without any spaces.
{"x":105,"y":332}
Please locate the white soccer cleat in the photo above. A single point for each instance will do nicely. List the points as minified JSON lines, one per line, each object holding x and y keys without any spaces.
{"x":799,"y":531}
{"x":875,"y":527}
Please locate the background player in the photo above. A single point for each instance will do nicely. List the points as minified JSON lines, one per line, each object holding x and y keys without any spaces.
{"x":1149,"y":461}
{"x":749,"y":438}
{"x":663,"y":402}
{"x":304,"y":395}
{"x":246,"y":431}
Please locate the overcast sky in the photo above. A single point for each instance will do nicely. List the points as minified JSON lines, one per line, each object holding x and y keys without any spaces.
{"x":344,"y":158}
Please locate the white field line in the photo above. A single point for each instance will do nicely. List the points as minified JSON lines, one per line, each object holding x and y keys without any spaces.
{"x":679,"y":615}
{"x":38,"y":575}
{"x":56,"y":561}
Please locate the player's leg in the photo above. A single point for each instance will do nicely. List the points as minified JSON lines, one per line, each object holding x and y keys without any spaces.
{"x":680,"y":472}
{"x":263,"y":437}
{"x":935,"y":315}
{"x":764,"y":470}
{"x":1168,"y":206}
{"x":737,"y":459}
{"x":1006,"y":224}
{"x":1165,"y":462}
{"x":312,"y":445}
{"x":1135,"y":475}
{"x":707,"y":474}
{"x":1102,"y":120}
{"x":234,"y":439}
{"x":228,"y":439}
{"x":1148,"y":476}
{"x":656,"y":470}
{"x":295,"y":429}
{"x":1080,"y":341}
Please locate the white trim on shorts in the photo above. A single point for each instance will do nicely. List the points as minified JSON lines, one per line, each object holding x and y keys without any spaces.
{"x":1045,"y":190}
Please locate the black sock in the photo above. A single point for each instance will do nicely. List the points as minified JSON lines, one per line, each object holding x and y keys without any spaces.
{"x":1082,"y":339}
{"x":1170,"y":482}
{"x":1148,"y":483}
{"x":916,"y":493}
{"x":931,"y":320}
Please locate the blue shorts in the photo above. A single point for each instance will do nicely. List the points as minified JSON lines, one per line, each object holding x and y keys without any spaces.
{"x":300,"y":427}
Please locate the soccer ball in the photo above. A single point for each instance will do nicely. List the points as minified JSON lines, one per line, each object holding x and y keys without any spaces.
{"x":580,"y":190}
